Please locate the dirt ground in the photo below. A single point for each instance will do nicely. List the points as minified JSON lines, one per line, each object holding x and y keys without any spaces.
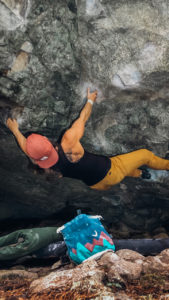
{"x":148,"y":287}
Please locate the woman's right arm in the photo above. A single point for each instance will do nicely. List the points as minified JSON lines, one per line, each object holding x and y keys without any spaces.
{"x":13,"y":127}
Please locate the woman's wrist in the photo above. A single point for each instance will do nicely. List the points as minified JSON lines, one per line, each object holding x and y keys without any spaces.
{"x":90,"y":101}
{"x":15,"y":131}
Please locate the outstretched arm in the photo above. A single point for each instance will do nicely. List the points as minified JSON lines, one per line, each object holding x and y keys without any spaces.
{"x":75,"y":133}
{"x":87,"y":109}
{"x":13,"y":126}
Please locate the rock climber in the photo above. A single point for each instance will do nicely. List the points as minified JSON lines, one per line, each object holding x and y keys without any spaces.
{"x":97,"y":171}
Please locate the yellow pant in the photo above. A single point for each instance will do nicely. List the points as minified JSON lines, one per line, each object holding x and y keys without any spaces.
{"x":128,"y":164}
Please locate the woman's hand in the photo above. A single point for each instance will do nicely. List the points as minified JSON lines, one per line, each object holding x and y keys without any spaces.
{"x":91,"y":96}
{"x":12,"y":124}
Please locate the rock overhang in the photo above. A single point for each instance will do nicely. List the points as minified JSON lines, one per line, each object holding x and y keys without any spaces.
{"x":49,"y":60}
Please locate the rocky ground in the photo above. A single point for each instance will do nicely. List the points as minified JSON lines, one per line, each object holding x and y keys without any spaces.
{"x":122,"y":275}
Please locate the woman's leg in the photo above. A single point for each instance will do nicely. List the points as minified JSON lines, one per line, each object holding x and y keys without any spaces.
{"x":130,"y":162}
{"x":135,"y":173}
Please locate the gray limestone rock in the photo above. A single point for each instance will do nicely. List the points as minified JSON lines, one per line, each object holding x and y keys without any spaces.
{"x":50,"y":52}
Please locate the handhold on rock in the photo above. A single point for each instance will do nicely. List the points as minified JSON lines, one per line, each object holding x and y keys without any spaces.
{"x":5,"y":113}
{"x":9,"y":109}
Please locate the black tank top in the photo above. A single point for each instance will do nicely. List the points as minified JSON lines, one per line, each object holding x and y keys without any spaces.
{"x":91,"y":168}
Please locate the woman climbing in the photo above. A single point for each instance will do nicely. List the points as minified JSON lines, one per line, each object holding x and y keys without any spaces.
{"x":97,"y":171}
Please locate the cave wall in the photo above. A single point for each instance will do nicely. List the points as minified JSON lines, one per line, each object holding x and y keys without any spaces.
{"x":50,"y":52}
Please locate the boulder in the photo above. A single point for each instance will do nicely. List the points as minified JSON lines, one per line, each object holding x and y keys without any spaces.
{"x":113,"y":275}
{"x":88,"y":273}
{"x":159,"y":263}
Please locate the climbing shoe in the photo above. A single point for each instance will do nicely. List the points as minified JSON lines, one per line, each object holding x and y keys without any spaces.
{"x":167,"y":155}
{"x":145,"y":174}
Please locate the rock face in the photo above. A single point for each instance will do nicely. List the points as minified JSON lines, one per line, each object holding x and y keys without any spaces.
{"x":50,"y":52}
{"x":112,"y":270}
{"x":122,"y":275}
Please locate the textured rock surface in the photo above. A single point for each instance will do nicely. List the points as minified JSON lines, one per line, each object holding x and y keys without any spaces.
{"x":50,"y":52}
{"x":121,"y":275}
{"x":110,"y":271}
{"x":17,"y":273}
